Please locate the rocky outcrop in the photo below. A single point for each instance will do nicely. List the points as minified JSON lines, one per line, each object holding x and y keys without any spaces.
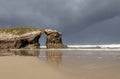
{"x":54,"y":39}
{"x":29,"y":40}
{"x":16,"y":38}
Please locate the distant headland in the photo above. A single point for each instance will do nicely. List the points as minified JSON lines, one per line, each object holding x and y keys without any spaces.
{"x":23,"y":37}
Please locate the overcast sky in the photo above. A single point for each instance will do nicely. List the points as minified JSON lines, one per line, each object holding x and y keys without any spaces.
{"x":80,"y":21}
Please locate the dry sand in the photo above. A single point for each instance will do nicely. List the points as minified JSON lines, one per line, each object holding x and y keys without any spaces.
{"x":21,"y":67}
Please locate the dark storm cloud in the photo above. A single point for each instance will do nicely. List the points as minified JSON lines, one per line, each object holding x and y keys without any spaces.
{"x":93,"y":12}
{"x":68,"y":16}
{"x":31,"y":12}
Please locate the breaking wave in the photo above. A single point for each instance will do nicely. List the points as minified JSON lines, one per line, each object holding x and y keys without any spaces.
{"x":112,"y":47}
{"x":95,"y":46}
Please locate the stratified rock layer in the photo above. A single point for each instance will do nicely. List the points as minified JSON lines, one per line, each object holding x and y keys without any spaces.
{"x":54,"y":39}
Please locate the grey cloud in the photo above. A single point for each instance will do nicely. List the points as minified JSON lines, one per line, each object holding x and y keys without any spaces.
{"x":68,"y":16}
{"x":95,"y":12}
{"x":65,"y":12}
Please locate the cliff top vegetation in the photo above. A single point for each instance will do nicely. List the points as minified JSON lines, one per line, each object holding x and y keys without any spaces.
{"x":18,"y":30}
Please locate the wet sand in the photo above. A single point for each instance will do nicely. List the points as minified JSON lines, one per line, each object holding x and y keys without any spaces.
{"x":22,"y":67}
{"x":91,"y":69}
{"x":91,"y":64}
{"x":59,"y":64}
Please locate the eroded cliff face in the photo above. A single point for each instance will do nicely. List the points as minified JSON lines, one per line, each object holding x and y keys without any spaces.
{"x":54,"y":39}
{"x":16,"y":38}
{"x":29,"y":40}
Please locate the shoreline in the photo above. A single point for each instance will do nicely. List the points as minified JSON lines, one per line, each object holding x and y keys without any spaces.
{"x":71,"y":49}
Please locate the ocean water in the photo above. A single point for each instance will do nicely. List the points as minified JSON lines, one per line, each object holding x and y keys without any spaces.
{"x":82,"y":62}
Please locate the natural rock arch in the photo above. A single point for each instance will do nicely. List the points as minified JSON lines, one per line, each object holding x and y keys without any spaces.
{"x":30,"y":39}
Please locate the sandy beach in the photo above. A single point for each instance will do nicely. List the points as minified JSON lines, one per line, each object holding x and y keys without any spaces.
{"x":59,"y":64}
{"x":22,"y":67}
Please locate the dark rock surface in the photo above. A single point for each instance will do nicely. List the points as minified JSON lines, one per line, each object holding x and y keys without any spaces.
{"x":54,"y":39}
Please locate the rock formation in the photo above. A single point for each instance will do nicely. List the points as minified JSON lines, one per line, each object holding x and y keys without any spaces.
{"x":16,"y":38}
{"x":54,"y":39}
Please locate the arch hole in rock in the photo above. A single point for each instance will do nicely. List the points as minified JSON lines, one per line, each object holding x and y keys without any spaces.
{"x":42,"y":41}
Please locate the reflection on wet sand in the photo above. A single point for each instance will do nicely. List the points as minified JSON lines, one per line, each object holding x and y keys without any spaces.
{"x":19,"y":52}
{"x":54,"y":57}
{"x":72,"y":63}
{"x":25,"y":64}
